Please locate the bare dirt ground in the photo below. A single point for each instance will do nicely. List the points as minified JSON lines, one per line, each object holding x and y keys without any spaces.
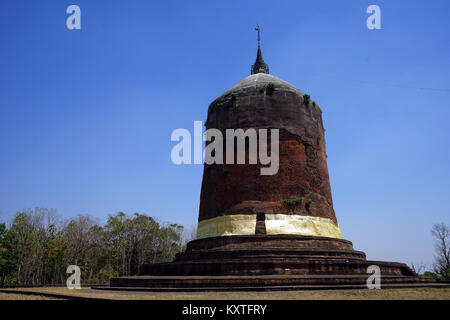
{"x":385,"y":294}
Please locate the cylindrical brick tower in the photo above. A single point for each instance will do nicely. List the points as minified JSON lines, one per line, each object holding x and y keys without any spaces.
{"x":295,"y":200}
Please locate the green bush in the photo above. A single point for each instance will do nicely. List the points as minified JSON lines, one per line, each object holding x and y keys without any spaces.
{"x":270,"y":87}
{"x":308,"y":203}
{"x":293,"y":203}
{"x":429,"y":274}
{"x":306,"y":99}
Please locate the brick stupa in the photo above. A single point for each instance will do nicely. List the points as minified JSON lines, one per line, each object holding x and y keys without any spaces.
{"x":263,"y":232}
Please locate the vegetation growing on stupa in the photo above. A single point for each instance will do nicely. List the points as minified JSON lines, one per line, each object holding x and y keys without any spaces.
{"x":306,"y":99}
{"x":268,"y":88}
{"x":293,"y":203}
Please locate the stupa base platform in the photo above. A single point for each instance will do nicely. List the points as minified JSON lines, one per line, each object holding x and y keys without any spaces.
{"x":261,"y":283}
{"x":267,"y":262}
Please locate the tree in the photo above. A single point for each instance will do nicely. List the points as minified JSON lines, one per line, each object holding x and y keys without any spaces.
{"x":189,"y":234}
{"x":169,"y":243}
{"x":76,"y":234}
{"x":28,"y":237}
{"x":140,"y":239}
{"x":441,"y":234}
{"x":7,"y":261}
{"x":120,"y":241}
{"x":56,"y":257}
{"x":145,"y":233}
{"x":38,"y":248}
{"x":83,"y":241}
{"x":99,"y":266}
{"x":419,"y":268}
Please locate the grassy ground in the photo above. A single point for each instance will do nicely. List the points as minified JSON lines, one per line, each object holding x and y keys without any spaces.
{"x":386,"y":294}
{"x":14,"y":296}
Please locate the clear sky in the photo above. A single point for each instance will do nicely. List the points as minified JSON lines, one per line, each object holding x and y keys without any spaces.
{"x":86,"y":115}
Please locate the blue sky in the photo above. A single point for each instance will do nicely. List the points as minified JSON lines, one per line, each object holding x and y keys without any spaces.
{"x":86,"y":115}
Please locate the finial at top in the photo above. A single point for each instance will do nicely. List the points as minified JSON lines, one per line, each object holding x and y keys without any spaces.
{"x":259,"y":66}
{"x":259,"y":36}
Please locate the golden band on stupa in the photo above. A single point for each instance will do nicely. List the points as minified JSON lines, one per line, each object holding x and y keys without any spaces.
{"x":245,"y":224}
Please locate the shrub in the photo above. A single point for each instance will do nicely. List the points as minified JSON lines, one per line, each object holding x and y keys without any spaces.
{"x":306,"y":99}
{"x":433,"y":275}
{"x":293,"y":203}
{"x":308,"y":203}
{"x":270,"y":87}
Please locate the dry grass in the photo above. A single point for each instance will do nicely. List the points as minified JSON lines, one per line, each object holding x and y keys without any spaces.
{"x":386,"y":294}
{"x":15,"y":296}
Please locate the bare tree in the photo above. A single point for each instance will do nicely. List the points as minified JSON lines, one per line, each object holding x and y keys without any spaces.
{"x":441,"y":234}
{"x":418,"y":268}
{"x":77,"y":235}
{"x":189,"y":234}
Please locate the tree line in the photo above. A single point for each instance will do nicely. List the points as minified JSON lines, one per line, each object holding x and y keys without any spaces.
{"x":39,"y":245}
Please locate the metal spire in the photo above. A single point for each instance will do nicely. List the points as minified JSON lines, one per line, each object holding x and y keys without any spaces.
{"x":259,"y":35}
{"x":259,"y":66}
